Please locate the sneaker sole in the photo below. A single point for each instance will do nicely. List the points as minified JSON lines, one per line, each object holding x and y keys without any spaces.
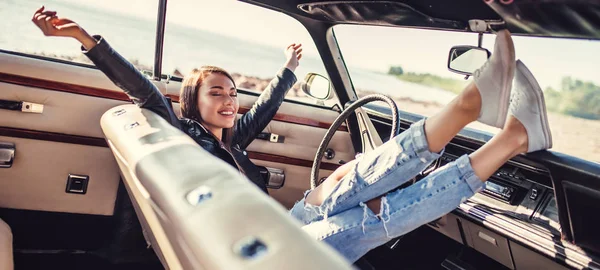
{"x":505,"y":95}
{"x":542,"y":103}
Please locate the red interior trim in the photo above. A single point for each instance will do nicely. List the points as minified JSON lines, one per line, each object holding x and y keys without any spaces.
{"x":62,"y":87}
{"x":105,"y":93}
{"x":51,"y":136}
{"x":290,"y":161}
{"x":99,"y":142}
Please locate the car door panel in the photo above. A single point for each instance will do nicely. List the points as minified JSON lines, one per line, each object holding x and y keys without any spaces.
{"x":297,"y":181}
{"x":63,"y":113}
{"x":38,"y":177}
{"x":302,"y":141}
{"x":303,"y":127}
{"x":66,"y":139}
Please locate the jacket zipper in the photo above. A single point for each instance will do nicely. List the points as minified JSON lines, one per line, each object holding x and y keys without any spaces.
{"x":232,"y":157}
{"x":222,"y":146}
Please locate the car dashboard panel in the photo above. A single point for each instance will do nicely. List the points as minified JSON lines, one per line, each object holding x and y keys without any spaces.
{"x":518,"y":210}
{"x":512,"y":193}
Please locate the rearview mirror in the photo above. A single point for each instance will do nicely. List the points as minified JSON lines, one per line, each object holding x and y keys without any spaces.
{"x":316,"y":86}
{"x":466,"y":59}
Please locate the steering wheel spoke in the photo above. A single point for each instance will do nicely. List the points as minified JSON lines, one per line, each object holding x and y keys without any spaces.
{"x":368,"y":134}
{"x":371,"y":140}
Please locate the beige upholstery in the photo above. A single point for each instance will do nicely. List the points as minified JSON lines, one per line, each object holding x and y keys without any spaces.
{"x":296,"y":182}
{"x":38,"y":176}
{"x":165,"y":166}
{"x":6,"y":253}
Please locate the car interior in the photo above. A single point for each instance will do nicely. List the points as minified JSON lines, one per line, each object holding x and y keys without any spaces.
{"x":90,"y":181}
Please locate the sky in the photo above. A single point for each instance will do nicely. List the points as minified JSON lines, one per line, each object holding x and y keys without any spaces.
{"x":374,"y":48}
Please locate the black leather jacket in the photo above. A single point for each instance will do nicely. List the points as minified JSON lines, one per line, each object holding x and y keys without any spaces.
{"x":146,"y":95}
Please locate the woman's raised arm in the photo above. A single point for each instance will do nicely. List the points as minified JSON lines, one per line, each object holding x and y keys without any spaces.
{"x":265,"y":108}
{"x":120,"y":71}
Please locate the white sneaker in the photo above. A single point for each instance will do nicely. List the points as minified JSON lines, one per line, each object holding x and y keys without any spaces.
{"x":528,"y":106}
{"x":494,"y":80}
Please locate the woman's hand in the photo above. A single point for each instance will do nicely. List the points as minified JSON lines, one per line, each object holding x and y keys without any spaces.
{"x":293,"y":53}
{"x":53,"y":26}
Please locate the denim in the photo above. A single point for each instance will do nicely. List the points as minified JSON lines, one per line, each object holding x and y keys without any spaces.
{"x":345,"y":222}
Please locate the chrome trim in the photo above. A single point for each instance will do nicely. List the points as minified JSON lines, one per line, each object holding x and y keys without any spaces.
{"x":7,"y":154}
{"x":160,"y":38}
{"x":276,"y":178}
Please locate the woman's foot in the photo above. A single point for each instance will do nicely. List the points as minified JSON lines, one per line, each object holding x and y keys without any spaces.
{"x":494,"y":81}
{"x":516,"y":135}
{"x":527,"y":107}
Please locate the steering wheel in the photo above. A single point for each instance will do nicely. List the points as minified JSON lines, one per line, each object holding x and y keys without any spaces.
{"x":314,"y":174}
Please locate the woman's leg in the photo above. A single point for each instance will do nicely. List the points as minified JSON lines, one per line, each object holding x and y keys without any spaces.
{"x":407,"y":154}
{"x":398,"y":160}
{"x":371,"y":175}
{"x":357,"y":230}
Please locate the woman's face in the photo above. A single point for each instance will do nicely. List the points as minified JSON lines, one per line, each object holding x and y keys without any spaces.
{"x":217,"y":102}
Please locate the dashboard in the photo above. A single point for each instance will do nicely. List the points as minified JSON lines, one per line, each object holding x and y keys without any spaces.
{"x":520,"y":193}
{"x":516,"y":210}
{"x":515,"y":219}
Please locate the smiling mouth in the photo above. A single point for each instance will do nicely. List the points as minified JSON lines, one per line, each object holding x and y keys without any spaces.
{"x":226,"y":113}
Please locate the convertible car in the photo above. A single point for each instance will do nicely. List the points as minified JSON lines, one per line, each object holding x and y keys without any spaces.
{"x":90,"y":181}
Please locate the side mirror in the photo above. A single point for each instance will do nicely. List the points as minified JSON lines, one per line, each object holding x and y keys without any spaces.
{"x":466,"y":59}
{"x":316,"y":86}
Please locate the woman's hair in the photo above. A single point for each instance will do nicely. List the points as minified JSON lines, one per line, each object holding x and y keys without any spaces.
{"x":188,"y":97}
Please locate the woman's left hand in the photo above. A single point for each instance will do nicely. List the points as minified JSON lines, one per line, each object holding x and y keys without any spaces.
{"x":293,"y":53}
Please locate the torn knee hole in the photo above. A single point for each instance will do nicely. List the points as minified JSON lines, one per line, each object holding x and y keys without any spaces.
{"x":375,"y":206}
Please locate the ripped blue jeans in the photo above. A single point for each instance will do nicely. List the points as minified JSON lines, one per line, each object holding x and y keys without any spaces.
{"x":345,"y":222}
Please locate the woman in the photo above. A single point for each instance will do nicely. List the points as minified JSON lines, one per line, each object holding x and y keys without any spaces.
{"x":208,"y":96}
{"x":358,"y":207}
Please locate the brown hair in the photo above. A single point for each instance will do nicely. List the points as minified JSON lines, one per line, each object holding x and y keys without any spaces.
{"x":188,"y":96}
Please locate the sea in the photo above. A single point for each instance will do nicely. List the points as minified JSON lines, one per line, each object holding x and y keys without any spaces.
{"x":185,"y":47}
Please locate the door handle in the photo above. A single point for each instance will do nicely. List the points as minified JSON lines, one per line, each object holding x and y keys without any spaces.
{"x":22,"y":106}
{"x":272,"y":137}
{"x":275,"y":178}
{"x":7,"y":154}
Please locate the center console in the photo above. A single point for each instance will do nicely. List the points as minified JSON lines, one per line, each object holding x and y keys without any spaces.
{"x":524,"y":194}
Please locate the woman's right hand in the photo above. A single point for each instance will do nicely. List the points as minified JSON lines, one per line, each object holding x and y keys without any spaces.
{"x":53,"y":26}
{"x":293,"y":54}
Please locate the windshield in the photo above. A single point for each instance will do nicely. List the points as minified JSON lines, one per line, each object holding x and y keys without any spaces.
{"x":248,"y":41}
{"x":411,"y":66}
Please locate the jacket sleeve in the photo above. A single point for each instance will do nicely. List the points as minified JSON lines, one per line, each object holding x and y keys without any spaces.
{"x":123,"y":74}
{"x":264,"y":109}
